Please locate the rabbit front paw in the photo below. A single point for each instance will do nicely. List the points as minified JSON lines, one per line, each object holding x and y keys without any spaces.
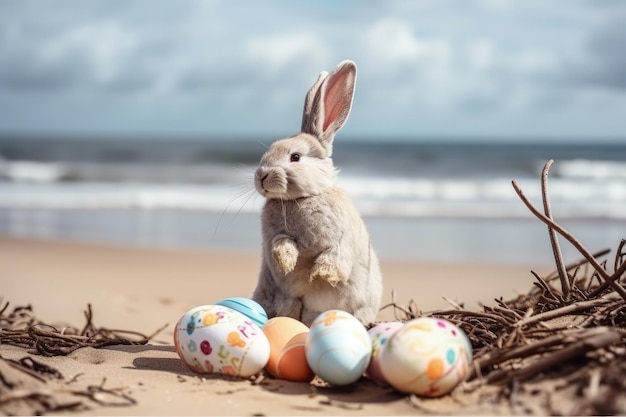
{"x":326,"y":272}
{"x":285,"y":254}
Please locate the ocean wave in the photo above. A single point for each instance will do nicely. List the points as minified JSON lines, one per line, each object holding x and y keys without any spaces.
{"x":402,"y":197}
{"x":124,"y":196}
{"x":24,"y":171}
{"x":31,"y":171}
{"x":591,"y":169}
{"x":499,"y":189}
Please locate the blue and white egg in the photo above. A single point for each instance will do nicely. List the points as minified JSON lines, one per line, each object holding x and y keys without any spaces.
{"x":338,"y":348}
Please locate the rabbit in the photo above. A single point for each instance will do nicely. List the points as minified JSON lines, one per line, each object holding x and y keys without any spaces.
{"x":317,"y":253}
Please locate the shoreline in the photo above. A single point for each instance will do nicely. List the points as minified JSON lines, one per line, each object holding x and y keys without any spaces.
{"x":126,"y":282}
{"x":490,"y":241}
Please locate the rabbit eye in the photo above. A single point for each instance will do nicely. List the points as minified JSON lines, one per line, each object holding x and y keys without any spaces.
{"x":294,"y":157}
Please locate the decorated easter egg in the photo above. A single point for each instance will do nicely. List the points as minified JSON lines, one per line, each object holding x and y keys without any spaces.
{"x":287,"y":361}
{"x":379,"y":336}
{"x":247,"y":307}
{"x":427,"y":356}
{"x":217,"y":339}
{"x":338,"y":348}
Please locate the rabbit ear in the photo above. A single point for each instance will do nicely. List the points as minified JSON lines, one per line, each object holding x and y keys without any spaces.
{"x":328,"y":103}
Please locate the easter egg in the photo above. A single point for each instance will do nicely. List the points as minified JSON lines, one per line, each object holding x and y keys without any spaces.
{"x":247,"y":307}
{"x":338,"y":348}
{"x":217,"y":339}
{"x":287,"y":360}
{"x":379,"y":336}
{"x":427,"y":357}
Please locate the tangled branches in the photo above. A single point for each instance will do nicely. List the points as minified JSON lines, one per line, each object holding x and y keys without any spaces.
{"x":572,"y":322}
{"x":21,"y":328}
{"x":28,"y":386}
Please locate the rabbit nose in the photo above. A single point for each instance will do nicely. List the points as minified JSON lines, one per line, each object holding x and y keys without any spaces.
{"x":261,"y":175}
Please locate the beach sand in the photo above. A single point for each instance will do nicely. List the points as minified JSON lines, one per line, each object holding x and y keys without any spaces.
{"x":143,"y":289}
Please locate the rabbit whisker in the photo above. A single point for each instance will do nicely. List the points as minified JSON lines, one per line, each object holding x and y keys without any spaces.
{"x":284,"y":210}
{"x":247,"y":194}
{"x":243,"y":167}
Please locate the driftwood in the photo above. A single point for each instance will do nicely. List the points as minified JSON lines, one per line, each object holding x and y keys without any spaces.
{"x":24,"y":383}
{"x":21,"y":328}
{"x":571,"y":325}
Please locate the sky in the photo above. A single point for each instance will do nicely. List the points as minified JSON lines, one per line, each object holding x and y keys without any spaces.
{"x":427,"y":69}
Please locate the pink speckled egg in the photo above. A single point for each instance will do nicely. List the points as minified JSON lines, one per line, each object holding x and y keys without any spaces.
{"x":379,"y":335}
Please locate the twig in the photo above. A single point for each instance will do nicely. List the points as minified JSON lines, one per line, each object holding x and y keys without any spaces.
{"x":452,"y":303}
{"x":554,"y":241}
{"x":619,"y":255}
{"x":512,"y":315}
{"x":610,"y":279}
{"x":499,"y":319}
{"x":20,"y":328}
{"x":563,"y":311}
{"x":6,"y":305}
{"x":589,"y":339}
{"x":99,"y":394}
{"x":616,"y":276}
{"x":25,"y":369}
{"x":543,"y":284}
{"x":581,"y":262}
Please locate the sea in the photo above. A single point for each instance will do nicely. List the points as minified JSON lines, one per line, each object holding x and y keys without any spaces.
{"x":439,"y":201}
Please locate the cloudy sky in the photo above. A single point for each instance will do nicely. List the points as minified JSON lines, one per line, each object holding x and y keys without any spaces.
{"x":427,"y":68}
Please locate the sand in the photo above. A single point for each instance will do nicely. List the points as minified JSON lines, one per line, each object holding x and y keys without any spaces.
{"x":143,"y":289}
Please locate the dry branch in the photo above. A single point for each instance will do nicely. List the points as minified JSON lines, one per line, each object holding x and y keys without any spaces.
{"x":554,"y":241}
{"x":610,"y":279}
{"x":21,"y":328}
{"x":552,"y":330}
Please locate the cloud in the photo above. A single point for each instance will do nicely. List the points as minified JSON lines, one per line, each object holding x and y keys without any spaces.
{"x":419,"y":61}
{"x":96,"y":54}
{"x":443,"y":73}
{"x":607,"y":61}
{"x":275,"y":53}
{"x":394,"y":41}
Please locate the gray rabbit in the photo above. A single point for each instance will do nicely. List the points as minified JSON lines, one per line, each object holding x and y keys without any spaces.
{"x":317,"y":253}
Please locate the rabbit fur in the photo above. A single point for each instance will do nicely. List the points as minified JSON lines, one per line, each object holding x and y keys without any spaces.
{"x":317,"y":254}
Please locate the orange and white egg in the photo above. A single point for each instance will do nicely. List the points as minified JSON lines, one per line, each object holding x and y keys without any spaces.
{"x":427,"y":356}
{"x":287,"y":360}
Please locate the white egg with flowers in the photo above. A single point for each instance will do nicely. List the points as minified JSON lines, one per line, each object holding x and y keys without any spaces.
{"x":218,"y":339}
